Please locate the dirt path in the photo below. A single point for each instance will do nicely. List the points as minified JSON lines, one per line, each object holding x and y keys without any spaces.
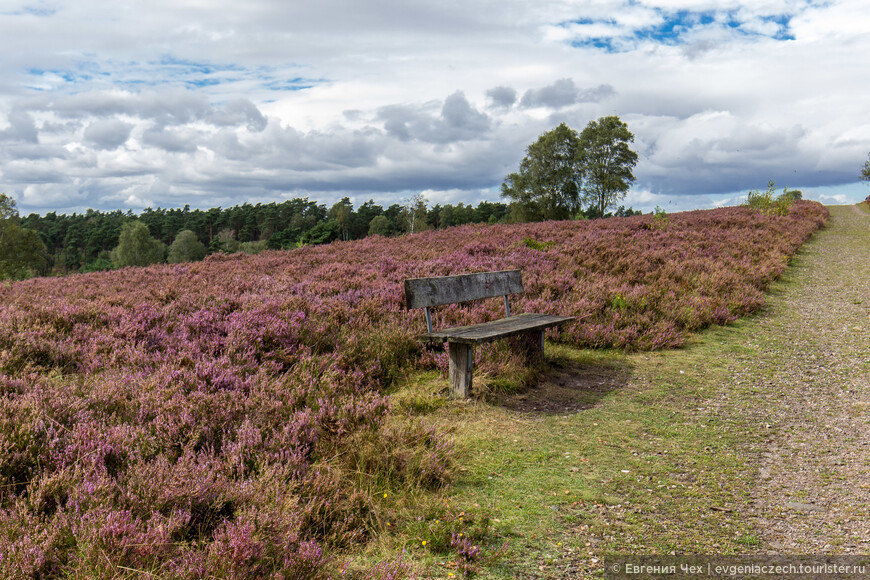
{"x":812,"y":494}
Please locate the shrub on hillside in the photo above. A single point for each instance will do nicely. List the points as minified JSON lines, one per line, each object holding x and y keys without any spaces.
{"x":769,"y":203}
{"x":186,"y":248}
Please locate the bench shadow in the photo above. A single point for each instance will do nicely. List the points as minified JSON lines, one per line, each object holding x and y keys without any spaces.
{"x":565,"y":387}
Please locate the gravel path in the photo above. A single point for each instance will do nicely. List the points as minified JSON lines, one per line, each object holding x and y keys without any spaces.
{"x":812,"y":382}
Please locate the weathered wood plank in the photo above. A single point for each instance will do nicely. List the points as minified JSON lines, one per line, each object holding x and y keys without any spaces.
{"x":496,"y":329}
{"x":461,"y":369}
{"x":424,"y":292}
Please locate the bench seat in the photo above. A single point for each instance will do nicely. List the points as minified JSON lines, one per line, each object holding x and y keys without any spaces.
{"x":496,"y":329}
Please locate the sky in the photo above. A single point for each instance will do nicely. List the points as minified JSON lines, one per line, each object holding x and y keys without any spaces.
{"x":128,"y":104}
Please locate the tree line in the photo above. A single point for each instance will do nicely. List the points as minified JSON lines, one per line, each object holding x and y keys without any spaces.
{"x":84,"y":242}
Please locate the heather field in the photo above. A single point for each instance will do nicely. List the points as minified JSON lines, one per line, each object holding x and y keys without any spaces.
{"x":232,"y":418}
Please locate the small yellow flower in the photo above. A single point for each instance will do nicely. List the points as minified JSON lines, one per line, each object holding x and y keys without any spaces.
{"x":385,"y":494}
{"x":424,"y":542}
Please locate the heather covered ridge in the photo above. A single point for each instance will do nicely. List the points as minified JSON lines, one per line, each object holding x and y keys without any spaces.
{"x":232,"y":417}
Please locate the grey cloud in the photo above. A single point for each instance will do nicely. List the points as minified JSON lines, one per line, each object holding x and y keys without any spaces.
{"x":502,"y":96}
{"x":285,"y":147}
{"x":281,"y":149}
{"x":237,"y":113}
{"x":21,"y":128}
{"x":34,"y":151}
{"x":459,"y":114}
{"x":458,"y":121}
{"x":596,"y":94}
{"x":397,"y":119}
{"x":84,"y":105}
{"x":34,"y":172}
{"x":226,"y":144}
{"x":169,"y":140}
{"x":343,"y":149}
{"x":729,"y":178}
{"x":108,"y":134}
{"x":172,"y":107}
{"x":367,"y":161}
{"x":699,"y":48}
{"x":744,"y":158}
{"x":166,"y":109}
{"x":60,"y":128}
{"x":564,"y":93}
{"x":561,"y":93}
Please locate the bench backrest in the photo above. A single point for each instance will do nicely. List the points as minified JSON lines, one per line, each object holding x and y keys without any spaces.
{"x":426,"y":292}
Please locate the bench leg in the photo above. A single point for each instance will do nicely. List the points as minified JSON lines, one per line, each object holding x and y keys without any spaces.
{"x":461,"y":364}
{"x":536,"y":346}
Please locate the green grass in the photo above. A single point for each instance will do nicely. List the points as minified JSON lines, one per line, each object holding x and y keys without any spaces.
{"x":655,"y":462}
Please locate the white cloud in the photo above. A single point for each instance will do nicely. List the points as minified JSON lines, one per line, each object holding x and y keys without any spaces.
{"x":457,"y":196}
{"x":846,"y":20}
{"x":112,"y":104}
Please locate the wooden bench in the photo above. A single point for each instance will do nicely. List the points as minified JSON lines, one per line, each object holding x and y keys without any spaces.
{"x":428,"y":292}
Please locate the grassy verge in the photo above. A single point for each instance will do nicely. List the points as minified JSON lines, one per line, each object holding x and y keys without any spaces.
{"x":612,"y":452}
{"x":643,"y":453}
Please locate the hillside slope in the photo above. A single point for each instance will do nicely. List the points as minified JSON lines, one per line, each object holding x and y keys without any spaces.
{"x":232,"y":417}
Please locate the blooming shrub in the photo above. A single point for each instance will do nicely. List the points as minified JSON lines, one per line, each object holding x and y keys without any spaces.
{"x":227,"y":417}
{"x":769,"y":203}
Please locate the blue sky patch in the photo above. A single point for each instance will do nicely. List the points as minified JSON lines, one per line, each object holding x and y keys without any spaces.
{"x":675,"y":27}
{"x":294,"y":84}
{"x":50,"y":79}
{"x":168,"y":70}
{"x":190,"y":67}
{"x":40,"y":11}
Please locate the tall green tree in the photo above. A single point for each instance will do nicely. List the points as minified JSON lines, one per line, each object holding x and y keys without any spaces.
{"x":547,"y":185}
{"x":136,"y":247}
{"x":342,"y":212}
{"x":380,"y":226}
{"x":22,"y":252}
{"x":362,"y":219}
{"x":607,"y":162}
{"x":225,"y":242}
{"x":414,"y":214}
{"x":186,"y":248}
{"x":865,"y":171}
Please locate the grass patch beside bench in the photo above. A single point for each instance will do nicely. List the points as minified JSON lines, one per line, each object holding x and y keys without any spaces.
{"x":641,"y":453}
